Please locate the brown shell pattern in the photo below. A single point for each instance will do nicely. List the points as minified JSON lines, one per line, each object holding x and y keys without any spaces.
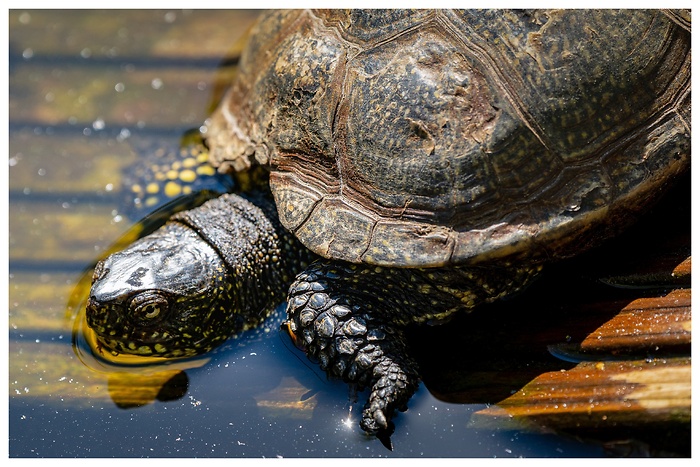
{"x":436,"y":137}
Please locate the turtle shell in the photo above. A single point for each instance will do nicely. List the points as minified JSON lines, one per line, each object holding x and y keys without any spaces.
{"x":429,"y":138}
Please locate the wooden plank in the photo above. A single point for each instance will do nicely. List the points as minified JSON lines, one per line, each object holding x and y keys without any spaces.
{"x":50,"y":233}
{"x":92,"y":34}
{"x":103,"y":68}
{"x":98,"y":98}
{"x":52,"y":373}
{"x":49,"y":164}
{"x":38,"y":302}
{"x":645,"y":324}
{"x":683,"y":269}
{"x":627,"y":381}
{"x":599,"y":396}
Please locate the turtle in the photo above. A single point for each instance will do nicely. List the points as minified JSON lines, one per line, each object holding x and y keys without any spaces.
{"x":402,"y":166}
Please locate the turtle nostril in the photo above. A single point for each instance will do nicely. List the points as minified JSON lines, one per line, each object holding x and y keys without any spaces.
{"x":99,"y":272}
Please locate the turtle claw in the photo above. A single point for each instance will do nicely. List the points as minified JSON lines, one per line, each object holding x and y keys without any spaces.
{"x":390,"y":392}
{"x":385,"y":436}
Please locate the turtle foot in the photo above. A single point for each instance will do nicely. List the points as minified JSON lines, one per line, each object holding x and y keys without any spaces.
{"x":353,"y":339}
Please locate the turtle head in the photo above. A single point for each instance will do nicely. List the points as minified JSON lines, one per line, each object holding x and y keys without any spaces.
{"x":165,"y":295}
{"x":207,"y":274}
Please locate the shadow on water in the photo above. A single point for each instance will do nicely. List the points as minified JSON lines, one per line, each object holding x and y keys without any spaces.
{"x":487,"y":356}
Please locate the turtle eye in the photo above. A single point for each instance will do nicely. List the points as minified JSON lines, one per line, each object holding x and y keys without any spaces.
{"x":148,"y":308}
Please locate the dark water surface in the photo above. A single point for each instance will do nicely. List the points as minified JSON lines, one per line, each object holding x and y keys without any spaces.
{"x":82,"y":85}
{"x":255,"y":398}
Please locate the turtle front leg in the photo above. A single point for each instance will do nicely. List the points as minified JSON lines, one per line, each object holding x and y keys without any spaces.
{"x":351,"y":318}
{"x":346,"y":328}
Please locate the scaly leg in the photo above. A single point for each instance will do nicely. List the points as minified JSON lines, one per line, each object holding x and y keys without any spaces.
{"x":352,"y":319}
